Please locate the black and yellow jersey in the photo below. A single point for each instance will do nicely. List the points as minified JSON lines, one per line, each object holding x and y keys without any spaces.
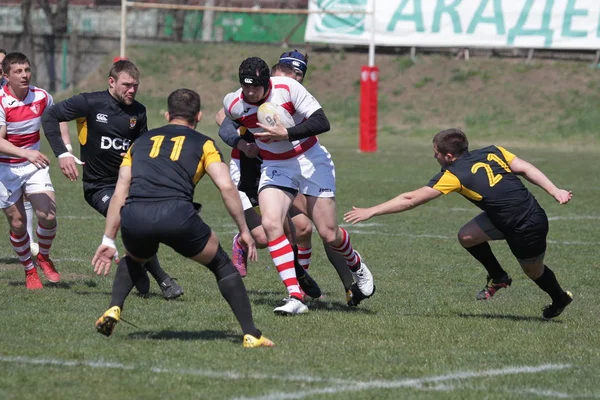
{"x":167,"y":163}
{"x":105,"y":129}
{"x":484,"y":177}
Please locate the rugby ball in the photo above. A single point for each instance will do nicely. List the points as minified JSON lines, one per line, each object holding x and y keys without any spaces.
{"x":267,"y":111}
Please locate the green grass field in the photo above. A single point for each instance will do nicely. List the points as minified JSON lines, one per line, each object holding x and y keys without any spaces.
{"x":423,"y":335}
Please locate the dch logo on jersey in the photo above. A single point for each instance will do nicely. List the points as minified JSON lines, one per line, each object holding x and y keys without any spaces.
{"x":346,"y":24}
{"x":114,"y":143}
{"x":102,"y":118}
{"x":35,"y":108}
{"x":132,"y":122}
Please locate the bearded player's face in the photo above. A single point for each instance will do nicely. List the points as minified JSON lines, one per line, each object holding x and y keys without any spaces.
{"x":124,"y":88}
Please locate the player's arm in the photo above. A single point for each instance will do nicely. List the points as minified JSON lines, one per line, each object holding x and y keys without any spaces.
{"x":314,"y":125}
{"x":56,"y":129}
{"x":66,"y":136}
{"x":35,"y":157}
{"x":219,"y":173}
{"x":228,"y":130}
{"x":68,"y":110}
{"x":400,"y":203}
{"x":230,"y":134}
{"x":107,"y":251}
{"x":537,"y":177}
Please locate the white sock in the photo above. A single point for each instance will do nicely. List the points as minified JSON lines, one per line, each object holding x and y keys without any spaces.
{"x":29,"y":214}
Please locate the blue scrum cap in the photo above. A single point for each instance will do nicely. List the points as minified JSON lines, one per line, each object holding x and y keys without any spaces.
{"x":296,"y":59}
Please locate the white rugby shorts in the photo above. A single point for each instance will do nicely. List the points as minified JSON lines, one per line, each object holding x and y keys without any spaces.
{"x":14,"y":180}
{"x":312,"y":173}
{"x":234,"y":171}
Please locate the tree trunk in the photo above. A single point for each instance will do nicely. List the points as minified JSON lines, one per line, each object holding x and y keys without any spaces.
{"x":59,"y":22}
{"x":25,"y":41}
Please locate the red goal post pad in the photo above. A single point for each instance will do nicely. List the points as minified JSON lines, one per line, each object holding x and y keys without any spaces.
{"x":369,"y":81}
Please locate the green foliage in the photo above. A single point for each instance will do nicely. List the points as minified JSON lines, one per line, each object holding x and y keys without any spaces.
{"x":404,"y":63}
{"x":423,"y":82}
{"x":462,"y":75}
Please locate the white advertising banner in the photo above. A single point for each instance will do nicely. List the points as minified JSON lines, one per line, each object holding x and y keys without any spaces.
{"x":553,"y":24}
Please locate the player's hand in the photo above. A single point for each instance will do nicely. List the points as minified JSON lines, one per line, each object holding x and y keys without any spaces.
{"x":103,"y":259}
{"x":68,"y":167}
{"x":248,"y":242}
{"x":358,"y":215}
{"x":272,"y":133}
{"x":563,"y":196}
{"x":251,"y":150}
{"x":37,"y":158}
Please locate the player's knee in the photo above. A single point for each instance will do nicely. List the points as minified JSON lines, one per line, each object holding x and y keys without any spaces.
{"x":271,"y":224}
{"x":17,"y":225}
{"x":48,"y":220}
{"x":221,"y":265}
{"x":465,"y":238}
{"x":303,"y":228}
{"x":260,"y":237}
{"x":330,"y":237}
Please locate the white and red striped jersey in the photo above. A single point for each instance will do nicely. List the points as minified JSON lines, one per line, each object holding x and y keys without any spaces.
{"x":289,"y":94}
{"x":22,"y":119}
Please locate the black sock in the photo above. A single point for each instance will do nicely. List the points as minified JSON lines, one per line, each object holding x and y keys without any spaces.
{"x":233,"y":290}
{"x":483,"y":253}
{"x":127,"y":272}
{"x":548,"y":283}
{"x":300,"y":272}
{"x":339,"y":263}
{"x":153,"y":266}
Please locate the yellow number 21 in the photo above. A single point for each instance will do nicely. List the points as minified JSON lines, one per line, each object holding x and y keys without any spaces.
{"x":175,"y":153}
{"x":494,"y":179}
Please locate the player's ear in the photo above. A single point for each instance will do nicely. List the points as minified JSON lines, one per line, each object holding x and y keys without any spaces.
{"x":167,"y":116}
{"x":199,"y":116}
{"x":111,"y":82}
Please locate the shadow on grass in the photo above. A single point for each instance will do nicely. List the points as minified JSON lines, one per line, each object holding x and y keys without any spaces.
{"x":10,"y":261}
{"x":509,"y":317}
{"x":57,"y":285}
{"x":132,"y":294}
{"x":274,"y":299}
{"x":187,"y":335}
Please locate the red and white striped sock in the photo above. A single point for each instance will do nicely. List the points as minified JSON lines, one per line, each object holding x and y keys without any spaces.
{"x":21,"y":246}
{"x":304,"y":255}
{"x":346,"y":249}
{"x":283,"y":257}
{"x":45,"y":239}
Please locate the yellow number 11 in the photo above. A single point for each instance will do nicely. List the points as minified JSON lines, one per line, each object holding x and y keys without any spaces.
{"x":175,"y":153}
{"x":494,"y":179}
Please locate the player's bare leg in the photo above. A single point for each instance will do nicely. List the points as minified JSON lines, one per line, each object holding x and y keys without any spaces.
{"x":44,"y":204}
{"x":19,"y":239}
{"x":322,"y":211}
{"x":544,"y":277}
{"x":274,"y":205}
{"x":474,"y":237}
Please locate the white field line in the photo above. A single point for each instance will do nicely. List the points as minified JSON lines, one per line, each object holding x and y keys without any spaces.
{"x":436,"y":383}
{"x":528,"y":392}
{"x":98,"y":217}
{"x":159,"y":370}
{"x":410,"y":383}
{"x":430,"y":236}
{"x":361,"y":224}
{"x":573,"y":217}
